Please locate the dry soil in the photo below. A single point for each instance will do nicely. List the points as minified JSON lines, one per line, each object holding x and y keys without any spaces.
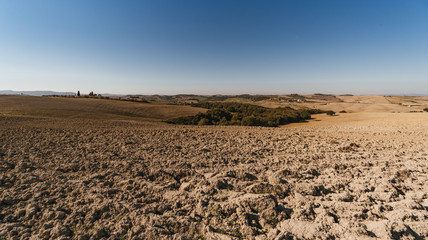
{"x":354,"y":176}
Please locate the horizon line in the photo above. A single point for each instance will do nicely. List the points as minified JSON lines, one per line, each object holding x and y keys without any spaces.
{"x":217,"y":94}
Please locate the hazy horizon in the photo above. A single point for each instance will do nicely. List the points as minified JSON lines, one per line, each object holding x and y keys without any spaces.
{"x":47,"y":92}
{"x":218,"y":47}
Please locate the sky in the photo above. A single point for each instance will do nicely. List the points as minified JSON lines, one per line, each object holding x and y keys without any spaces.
{"x":215,"y":47}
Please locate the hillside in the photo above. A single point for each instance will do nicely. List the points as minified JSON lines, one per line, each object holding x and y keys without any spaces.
{"x":88,"y":108}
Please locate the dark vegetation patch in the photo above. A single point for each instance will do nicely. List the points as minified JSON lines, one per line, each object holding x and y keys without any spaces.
{"x":330,"y":113}
{"x":426,"y":109}
{"x":326,"y":97}
{"x":231,"y":113}
{"x":185,"y":98}
{"x":255,"y":98}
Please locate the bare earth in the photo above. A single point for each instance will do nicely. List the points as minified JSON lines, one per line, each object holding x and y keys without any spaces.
{"x":99,"y":169}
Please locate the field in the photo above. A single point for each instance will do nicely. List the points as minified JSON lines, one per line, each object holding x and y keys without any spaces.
{"x":74,"y":168}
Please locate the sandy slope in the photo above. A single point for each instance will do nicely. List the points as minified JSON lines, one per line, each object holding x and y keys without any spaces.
{"x":353,"y":176}
{"x":358,"y":104}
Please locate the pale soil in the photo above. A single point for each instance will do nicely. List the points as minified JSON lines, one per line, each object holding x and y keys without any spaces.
{"x":360,"y":104}
{"x":353,"y":176}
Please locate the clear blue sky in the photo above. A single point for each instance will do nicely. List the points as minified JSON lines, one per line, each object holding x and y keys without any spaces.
{"x":209,"y":47}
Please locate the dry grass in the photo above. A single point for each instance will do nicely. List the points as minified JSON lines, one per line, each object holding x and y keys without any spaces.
{"x":89,"y":108}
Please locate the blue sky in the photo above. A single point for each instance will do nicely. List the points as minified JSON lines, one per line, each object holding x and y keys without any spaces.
{"x":215,"y":47}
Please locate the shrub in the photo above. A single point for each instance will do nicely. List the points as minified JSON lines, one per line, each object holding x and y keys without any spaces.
{"x":204,"y":121}
{"x":330,"y":113}
{"x":249,"y":121}
{"x":231,"y":113}
{"x":426,"y":109}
